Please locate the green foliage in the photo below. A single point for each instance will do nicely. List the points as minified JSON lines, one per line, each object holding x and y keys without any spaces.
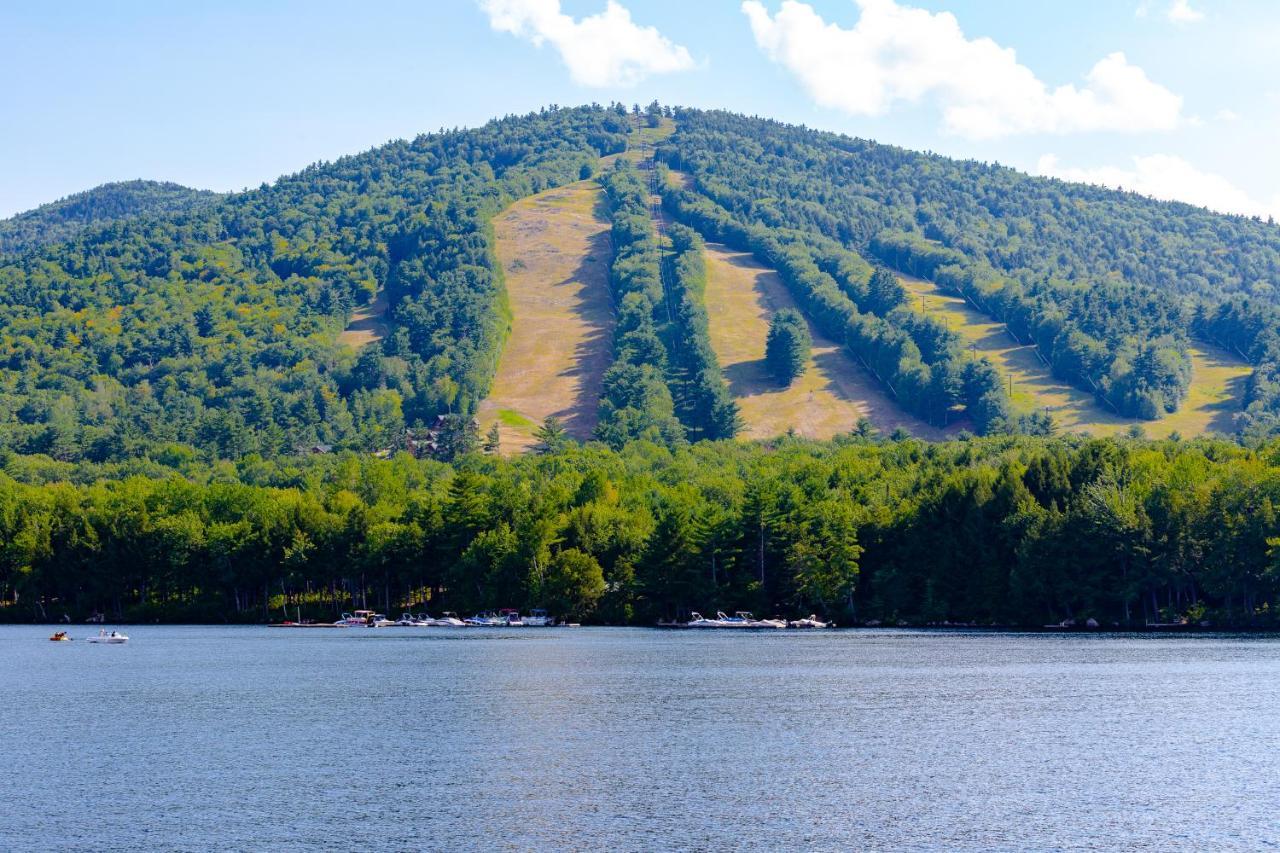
{"x":215,"y":325}
{"x":63,"y":219}
{"x":636,"y":400}
{"x":1096,"y":279}
{"x":1002,"y":530}
{"x":788,"y":345}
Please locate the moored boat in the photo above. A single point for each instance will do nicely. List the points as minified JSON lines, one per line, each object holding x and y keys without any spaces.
{"x":110,"y":638}
{"x":811,"y":621}
{"x":448,"y":620}
{"x":538,"y":618}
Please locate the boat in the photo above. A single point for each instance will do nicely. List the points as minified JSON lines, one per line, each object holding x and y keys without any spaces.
{"x":538,"y":619}
{"x":113,"y":638}
{"x":60,"y":637}
{"x":408,"y":620}
{"x":509,"y":618}
{"x":741,"y":619}
{"x":768,"y":623}
{"x":381,"y":621}
{"x":354,"y":620}
{"x":488,"y":619}
{"x":448,"y":620}
{"x":697,"y":620}
{"x":811,"y":621}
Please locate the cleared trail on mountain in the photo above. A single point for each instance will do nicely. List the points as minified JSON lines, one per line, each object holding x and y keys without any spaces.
{"x":368,"y":323}
{"x":831,"y":395}
{"x":1217,"y":385}
{"x":554,"y":249}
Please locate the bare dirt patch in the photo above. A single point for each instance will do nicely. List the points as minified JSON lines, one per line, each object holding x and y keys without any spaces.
{"x":554,"y":249}
{"x":368,"y":323}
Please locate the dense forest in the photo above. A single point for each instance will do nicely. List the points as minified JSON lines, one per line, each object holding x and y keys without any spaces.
{"x":169,"y":360}
{"x":1105,"y":283}
{"x":216,"y":327}
{"x":63,"y":219}
{"x":1005,"y":531}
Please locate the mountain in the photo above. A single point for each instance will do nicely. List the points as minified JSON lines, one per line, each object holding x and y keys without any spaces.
{"x":140,"y":316}
{"x":63,"y":219}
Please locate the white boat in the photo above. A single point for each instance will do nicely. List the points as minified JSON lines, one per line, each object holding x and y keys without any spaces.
{"x":111,"y":638}
{"x":381,"y":621}
{"x":697,"y":620}
{"x":538,"y":619}
{"x":812,"y":621}
{"x":408,"y":620}
{"x":448,"y":620}
{"x":769,"y":623}
{"x":742,"y":619}
{"x":359,"y":619}
{"x":483,"y":620}
{"x":509,"y":618}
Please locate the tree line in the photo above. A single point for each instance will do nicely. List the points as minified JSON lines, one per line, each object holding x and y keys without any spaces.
{"x":1005,"y":530}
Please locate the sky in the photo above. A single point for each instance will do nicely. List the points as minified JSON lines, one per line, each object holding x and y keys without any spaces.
{"x":1171,"y":98}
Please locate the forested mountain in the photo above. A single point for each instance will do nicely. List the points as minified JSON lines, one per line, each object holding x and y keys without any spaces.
{"x":63,"y":219}
{"x":212,"y":322}
{"x":216,"y":327}
{"x":1105,"y":283}
{"x":162,"y":376}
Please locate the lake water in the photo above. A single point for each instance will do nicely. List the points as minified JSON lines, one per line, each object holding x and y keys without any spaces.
{"x":201,"y":738}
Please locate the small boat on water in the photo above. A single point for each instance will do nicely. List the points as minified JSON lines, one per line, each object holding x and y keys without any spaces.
{"x":488,"y":619}
{"x":811,"y":621}
{"x":408,"y":620}
{"x":61,"y":637}
{"x":359,"y":619}
{"x":509,"y":618}
{"x":538,"y":619}
{"x":111,"y":638}
{"x":381,"y":621}
{"x":448,"y":620}
{"x":697,"y":620}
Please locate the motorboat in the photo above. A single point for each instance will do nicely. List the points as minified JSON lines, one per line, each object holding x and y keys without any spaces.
{"x":408,"y":620}
{"x":509,"y":618}
{"x":483,"y":620}
{"x":741,"y":619}
{"x":811,"y":621}
{"x":697,"y":620}
{"x":61,"y":637}
{"x":359,"y":619}
{"x":538,"y":619}
{"x":448,"y":620}
{"x":111,"y":638}
{"x":423,"y":620}
{"x":381,"y":621}
{"x":769,"y":623}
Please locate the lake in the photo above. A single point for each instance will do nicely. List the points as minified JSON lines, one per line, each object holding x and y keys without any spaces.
{"x":248,"y":738}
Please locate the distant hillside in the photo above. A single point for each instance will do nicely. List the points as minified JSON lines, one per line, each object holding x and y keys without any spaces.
{"x":63,"y":219}
{"x":146,"y":318}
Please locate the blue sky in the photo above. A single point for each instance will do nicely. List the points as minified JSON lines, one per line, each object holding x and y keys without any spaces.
{"x":1177,"y":98}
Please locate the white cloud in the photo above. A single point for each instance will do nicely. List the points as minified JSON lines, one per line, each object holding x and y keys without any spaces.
{"x":899,"y":53}
{"x":1169,"y":177}
{"x":1180,"y":12}
{"x":605,"y":49}
{"x":1226,"y":114}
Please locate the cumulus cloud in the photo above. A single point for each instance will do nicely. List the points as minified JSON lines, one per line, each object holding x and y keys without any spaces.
{"x":1169,"y":177}
{"x":1180,"y":12}
{"x":898,"y":53}
{"x":605,"y":49}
